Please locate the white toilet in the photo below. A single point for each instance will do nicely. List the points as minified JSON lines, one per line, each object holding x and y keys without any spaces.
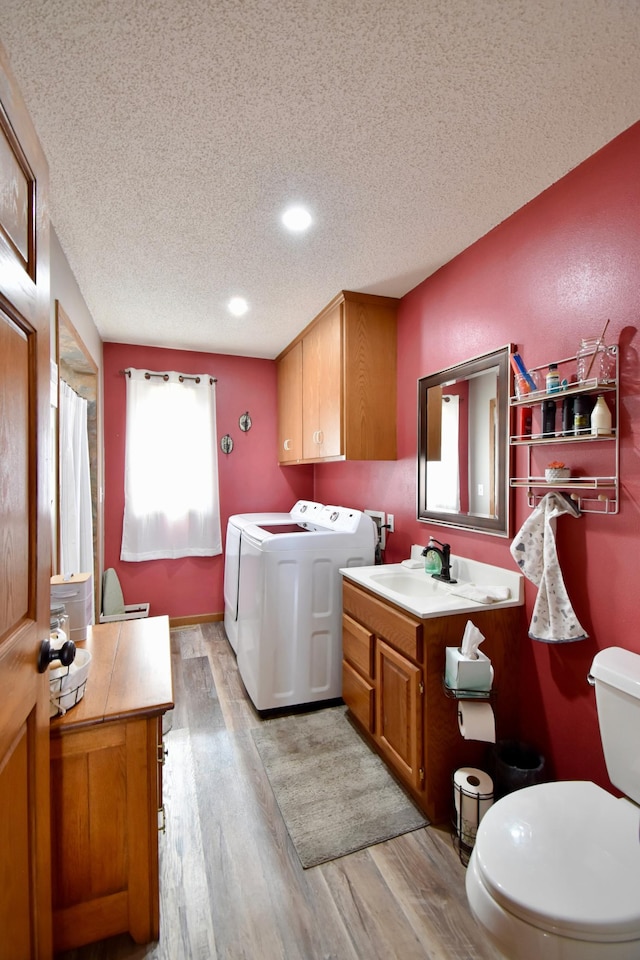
{"x":555,"y":870}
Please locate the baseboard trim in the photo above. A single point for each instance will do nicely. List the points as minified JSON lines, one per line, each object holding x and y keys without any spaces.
{"x":197,"y":618}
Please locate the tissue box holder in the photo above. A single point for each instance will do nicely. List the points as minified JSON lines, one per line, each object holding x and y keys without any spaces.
{"x":464,"y":674}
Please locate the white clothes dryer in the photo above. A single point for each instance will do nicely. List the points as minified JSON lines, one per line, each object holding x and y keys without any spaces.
{"x":290,"y":604}
{"x":300,"y":511}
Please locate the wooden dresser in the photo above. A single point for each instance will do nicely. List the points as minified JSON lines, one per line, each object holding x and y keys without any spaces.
{"x":106,"y":788}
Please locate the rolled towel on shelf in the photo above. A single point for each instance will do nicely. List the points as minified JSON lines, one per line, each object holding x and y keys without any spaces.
{"x":480,"y":593}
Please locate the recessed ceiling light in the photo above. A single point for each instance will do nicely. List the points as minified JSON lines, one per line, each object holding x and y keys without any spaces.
{"x":238,"y":306}
{"x":296,"y":219}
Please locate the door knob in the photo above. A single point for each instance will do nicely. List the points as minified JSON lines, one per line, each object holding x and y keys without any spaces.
{"x":66,"y":654}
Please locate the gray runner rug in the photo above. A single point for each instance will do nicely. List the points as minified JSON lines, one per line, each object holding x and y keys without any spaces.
{"x":335,"y":794}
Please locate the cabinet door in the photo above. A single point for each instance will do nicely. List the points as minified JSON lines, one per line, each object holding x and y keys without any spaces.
{"x":104,"y":802}
{"x":369,"y":365}
{"x":399,"y":712}
{"x":322,"y":387}
{"x":290,"y":406}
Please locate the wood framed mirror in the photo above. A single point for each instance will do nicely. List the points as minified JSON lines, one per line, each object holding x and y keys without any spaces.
{"x":463,"y":445}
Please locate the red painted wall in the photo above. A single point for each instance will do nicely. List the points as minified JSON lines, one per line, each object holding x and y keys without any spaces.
{"x":550,"y":274}
{"x":249,"y":478}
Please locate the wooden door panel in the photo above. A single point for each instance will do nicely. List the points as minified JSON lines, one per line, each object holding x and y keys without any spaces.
{"x":88,"y":791}
{"x":14,"y":475}
{"x":369,"y":366}
{"x":322,"y":388}
{"x":330,"y":389}
{"x":399,"y":711}
{"x":14,"y":835}
{"x":290,"y":406}
{"x":25,"y":855}
{"x":311,"y":387}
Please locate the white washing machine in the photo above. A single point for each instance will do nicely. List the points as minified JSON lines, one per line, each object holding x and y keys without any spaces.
{"x":300,"y":512}
{"x":290,"y":605}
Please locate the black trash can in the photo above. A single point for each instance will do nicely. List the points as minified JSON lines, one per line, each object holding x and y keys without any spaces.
{"x":515,"y":765}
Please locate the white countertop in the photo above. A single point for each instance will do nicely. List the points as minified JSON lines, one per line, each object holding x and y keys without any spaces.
{"x":422,"y":595}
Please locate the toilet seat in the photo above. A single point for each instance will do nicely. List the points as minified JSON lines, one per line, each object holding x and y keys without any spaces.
{"x":565,"y":858}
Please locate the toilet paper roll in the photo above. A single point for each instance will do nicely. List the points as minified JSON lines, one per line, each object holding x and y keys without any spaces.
{"x":473,"y":795}
{"x":476,"y":720}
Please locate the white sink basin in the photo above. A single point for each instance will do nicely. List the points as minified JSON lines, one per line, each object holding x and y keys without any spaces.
{"x":418,"y":592}
{"x":422,"y":585}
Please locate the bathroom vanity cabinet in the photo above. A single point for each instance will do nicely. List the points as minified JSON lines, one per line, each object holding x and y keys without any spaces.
{"x":334,"y":384}
{"x":106,"y":788}
{"x":393,"y":669}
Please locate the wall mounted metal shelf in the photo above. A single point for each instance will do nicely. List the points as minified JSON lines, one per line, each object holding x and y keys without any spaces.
{"x":594,"y":385}
{"x":592,"y":494}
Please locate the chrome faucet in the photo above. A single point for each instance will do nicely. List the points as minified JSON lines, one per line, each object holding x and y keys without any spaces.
{"x":445,"y":560}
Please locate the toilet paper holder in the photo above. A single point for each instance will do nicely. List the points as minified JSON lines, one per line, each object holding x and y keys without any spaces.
{"x":473,"y":795}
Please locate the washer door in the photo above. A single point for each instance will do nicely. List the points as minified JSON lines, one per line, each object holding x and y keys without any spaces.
{"x":231,"y":572}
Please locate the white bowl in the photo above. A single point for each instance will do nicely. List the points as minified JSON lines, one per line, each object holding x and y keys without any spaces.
{"x":67,"y":684}
{"x":555,"y":474}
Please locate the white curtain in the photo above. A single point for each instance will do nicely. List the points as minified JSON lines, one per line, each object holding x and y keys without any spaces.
{"x":171,"y":467}
{"x":76,"y":521}
{"x":443,"y":476}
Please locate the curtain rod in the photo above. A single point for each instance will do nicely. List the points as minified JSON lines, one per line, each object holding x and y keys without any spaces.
{"x":165,"y":376}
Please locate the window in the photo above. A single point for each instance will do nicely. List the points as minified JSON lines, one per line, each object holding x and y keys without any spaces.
{"x":172,"y":504}
{"x":443,"y":475}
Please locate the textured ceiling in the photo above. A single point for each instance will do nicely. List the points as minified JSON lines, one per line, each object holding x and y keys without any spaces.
{"x":178,"y":130}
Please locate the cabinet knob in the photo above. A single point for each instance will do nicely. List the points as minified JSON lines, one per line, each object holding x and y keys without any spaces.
{"x":287,"y":444}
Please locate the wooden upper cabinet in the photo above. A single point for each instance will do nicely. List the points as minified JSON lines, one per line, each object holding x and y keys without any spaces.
{"x":347,"y":409}
{"x":322,"y":387}
{"x":290,"y":405}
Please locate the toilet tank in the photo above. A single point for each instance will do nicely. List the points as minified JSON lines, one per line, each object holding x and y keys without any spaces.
{"x":616,"y":673}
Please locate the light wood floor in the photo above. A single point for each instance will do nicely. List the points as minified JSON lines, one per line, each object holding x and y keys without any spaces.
{"x":232,"y":887}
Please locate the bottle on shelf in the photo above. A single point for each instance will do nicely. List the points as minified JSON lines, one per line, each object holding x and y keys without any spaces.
{"x":581,"y":411}
{"x":567,"y":415}
{"x":553,"y":379}
{"x":601,"y":419}
{"x":548,"y":418}
{"x":525,"y":421}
